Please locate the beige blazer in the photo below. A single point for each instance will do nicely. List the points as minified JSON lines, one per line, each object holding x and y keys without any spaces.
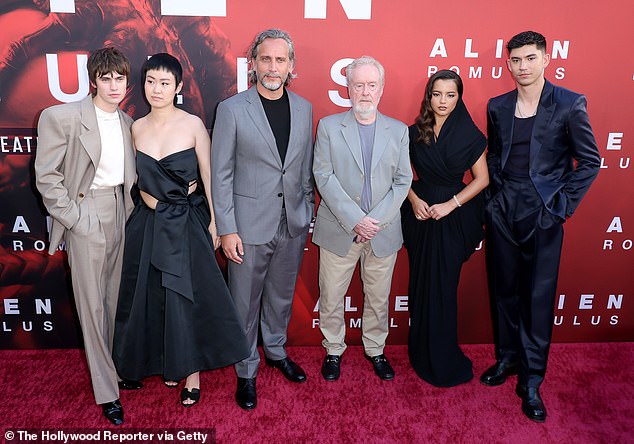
{"x":68,"y":153}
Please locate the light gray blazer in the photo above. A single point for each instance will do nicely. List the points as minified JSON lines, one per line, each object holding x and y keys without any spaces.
{"x":68,"y":153}
{"x":248,"y":178}
{"x":338,"y":170}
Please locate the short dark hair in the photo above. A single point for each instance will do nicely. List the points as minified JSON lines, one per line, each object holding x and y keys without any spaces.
{"x":104,"y":61}
{"x":527,"y":38}
{"x":163,"y":62}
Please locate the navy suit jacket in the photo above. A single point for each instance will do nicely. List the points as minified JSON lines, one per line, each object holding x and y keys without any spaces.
{"x":561,"y":134}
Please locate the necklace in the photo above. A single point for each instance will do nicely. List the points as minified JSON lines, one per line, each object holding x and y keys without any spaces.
{"x":519,"y":110}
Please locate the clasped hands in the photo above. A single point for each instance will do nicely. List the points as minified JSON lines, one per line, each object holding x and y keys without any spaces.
{"x":423,"y":211}
{"x":366,"y":229}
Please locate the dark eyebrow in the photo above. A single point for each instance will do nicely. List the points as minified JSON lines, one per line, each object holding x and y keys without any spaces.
{"x":149,"y":76}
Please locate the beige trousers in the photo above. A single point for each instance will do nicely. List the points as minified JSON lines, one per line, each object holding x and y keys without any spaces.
{"x":335,"y":273}
{"x":95,"y":253}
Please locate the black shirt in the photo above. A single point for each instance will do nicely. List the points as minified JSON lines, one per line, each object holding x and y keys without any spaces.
{"x":278,"y":113}
{"x":517,"y":162}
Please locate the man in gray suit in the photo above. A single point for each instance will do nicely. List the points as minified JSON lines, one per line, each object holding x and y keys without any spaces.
{"x":363,"y":173}
{"x":264,"y":200}
{"x":84,"y":169}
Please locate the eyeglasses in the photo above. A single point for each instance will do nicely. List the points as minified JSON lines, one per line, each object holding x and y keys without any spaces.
{"x":360,"y":86}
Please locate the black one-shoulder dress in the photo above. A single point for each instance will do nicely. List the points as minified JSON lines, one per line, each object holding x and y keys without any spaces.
{"x":175,"y":315}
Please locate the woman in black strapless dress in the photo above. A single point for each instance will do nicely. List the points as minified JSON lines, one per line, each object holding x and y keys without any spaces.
{"x":442,"y":225}
{"x":175,"y":315}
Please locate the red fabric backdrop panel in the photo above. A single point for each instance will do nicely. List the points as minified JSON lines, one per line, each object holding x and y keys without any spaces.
{"x":43,"y":48}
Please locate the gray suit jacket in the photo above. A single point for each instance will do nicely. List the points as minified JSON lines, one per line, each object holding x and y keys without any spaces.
{"x":248,"y":178}
{"x":338,"y":170}
{"x":68,"y":153}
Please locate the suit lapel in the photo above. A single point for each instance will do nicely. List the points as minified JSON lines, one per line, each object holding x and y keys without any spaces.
{"x":129,"y":164}
{"x":380,"y":139}
{"x":505,"y":117}
{"x":351,"y":135}
{"x":90,"y":139}
{"x":545,"y":111}
{"x":293,"y":145}
{"x":256,"y":111}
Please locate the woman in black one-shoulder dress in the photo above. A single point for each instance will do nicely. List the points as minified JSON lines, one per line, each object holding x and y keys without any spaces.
{"x":442,"y":225}
{"x":175,"y":315}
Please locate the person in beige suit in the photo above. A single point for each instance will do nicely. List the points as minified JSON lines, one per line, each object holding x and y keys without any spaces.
{"x":85,"y":168}
{"x":363,"y":174}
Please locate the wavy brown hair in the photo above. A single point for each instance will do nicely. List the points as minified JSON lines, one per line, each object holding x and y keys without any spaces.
{"x":426,"y":119}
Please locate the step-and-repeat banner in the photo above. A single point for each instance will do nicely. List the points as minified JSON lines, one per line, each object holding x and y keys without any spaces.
{"x":43,"y":52}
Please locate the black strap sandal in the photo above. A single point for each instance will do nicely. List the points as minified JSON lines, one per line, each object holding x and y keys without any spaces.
{"x":190,"y":395}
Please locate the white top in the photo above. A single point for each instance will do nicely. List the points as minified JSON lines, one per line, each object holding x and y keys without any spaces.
{"x":111,"y":164}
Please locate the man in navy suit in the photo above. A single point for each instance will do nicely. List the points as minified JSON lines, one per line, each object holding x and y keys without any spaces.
{"x":535,"y":133}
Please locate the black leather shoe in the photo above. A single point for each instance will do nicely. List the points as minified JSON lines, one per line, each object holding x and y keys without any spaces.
{"x":113,"y":411}
{"x":382,"y":367}
{"x":129,"y":384}
{"x":497,"y":373}
{"x":532,"y":404}
{"x":331,"y":368}
{"x":289,"y":369}
{"x":246,"y":396}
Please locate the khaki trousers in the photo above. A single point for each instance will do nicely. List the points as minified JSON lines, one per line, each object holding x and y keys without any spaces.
{"x":335,"y":273}
{"x":95,"y":253}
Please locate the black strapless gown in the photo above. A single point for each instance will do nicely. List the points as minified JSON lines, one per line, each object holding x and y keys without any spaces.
{"x":175,"y":315}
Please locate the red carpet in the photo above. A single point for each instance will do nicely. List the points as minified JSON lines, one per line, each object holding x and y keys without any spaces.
{"x":588,"y":392}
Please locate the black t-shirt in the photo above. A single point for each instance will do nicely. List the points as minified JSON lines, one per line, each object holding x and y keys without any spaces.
{"x":517,"y":162}
{"x":278,"y":113}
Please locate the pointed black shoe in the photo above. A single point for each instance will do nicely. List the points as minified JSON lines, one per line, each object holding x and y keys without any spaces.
{"x":497,"y":373}
{"x":331,"y":368}
{"x":113,"y":411}
{"x":246,"y":395}
{"x":382,"y":367}
{"x":289,"y":369}
{"x":532,"y":404}
{"x":129,"y":384}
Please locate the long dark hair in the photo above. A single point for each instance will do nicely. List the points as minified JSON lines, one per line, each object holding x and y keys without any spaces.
{"x":426,"y":119}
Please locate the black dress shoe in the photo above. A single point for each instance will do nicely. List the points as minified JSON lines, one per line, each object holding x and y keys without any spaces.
{"x":289,"y":369}
{"x":382,"y":367}
{"x":532,"y":404}
{"x":331,"y":368}
{"x":129,"y":384}
{"x":246,"y":396}
{"x":497,"y":373}
{"x":113,"y":411}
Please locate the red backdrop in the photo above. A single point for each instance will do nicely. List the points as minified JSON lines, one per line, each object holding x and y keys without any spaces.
{"x":412,"y":39}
